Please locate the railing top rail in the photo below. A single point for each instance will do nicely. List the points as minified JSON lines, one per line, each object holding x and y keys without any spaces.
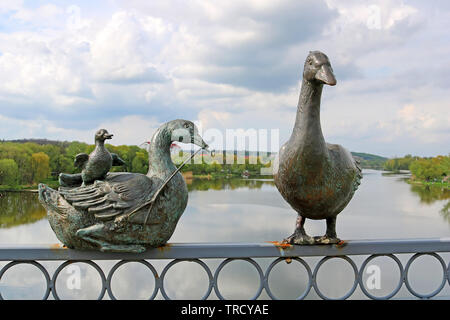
{"x":228,"y":250}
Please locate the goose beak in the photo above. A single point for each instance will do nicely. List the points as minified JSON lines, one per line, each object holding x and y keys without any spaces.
{"x":326,"y":75}
{"x":197,"y":140}
{"x":108,"y":136}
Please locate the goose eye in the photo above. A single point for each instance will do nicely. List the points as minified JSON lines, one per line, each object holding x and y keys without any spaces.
{"x":186,"y":125}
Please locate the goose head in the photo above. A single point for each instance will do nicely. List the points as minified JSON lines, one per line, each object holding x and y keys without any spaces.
{"x":185,"y":131}
{"x":318,"y":69}
{"x":101,"y":135}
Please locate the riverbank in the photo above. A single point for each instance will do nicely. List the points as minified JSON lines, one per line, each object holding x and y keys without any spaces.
{"x":29,"y":188}
{"x":418,"y":182}
{"x":188,"y":176}
{"x":429,"y":183}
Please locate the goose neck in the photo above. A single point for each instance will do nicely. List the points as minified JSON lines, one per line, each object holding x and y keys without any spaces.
{"x":307,"y":122}
{"x":99,"y":143}
{"x":160,"y":162}
{"x":307,"y":137}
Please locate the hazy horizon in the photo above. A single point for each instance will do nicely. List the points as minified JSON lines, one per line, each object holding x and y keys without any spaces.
{"x":187,"y":147}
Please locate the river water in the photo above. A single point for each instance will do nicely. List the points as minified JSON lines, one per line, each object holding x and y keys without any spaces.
{"x":249,"y":210}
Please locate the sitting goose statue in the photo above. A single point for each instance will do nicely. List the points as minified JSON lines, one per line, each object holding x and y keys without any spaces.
{"x":316,"y":178}
{"x":94,"y":166}
{"x":125,"y":212}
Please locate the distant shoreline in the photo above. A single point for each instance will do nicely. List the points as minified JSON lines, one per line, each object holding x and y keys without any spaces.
{"x":20,"y":190}
{"x":189,"y":176}
{"x":429,"y":183}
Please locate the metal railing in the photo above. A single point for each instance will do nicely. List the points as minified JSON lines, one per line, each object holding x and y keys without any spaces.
{"x":227,"y":252}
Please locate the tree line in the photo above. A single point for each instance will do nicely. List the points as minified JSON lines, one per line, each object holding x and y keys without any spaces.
{"x":252,"y":166}
{"x":29,"y":163}
{"x":425,"y":169}
{"x":25,"y":163}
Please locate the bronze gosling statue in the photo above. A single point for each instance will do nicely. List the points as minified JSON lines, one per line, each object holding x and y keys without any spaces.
{"x":94,"y":166}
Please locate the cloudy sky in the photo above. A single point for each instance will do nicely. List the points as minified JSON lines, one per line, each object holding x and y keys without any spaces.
{"x":67,"y":69}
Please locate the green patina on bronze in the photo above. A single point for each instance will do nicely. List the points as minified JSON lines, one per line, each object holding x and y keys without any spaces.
{"x":316,"y":178}
{"x":94,"y":166}
{"x":124,"y":212}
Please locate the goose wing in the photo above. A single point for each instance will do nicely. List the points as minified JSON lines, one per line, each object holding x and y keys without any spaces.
{"x":70,"y":180}
{"x":117,"y":161}
{"x":81,"y":159}
{"x":359,"y":175}
{"x":118,"y":194}
{"x":342,"y":156}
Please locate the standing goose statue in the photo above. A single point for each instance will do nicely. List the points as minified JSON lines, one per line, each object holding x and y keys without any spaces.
{"x":316,"y":178}
{"x":125,"y":212}
{"x":95,"y":165}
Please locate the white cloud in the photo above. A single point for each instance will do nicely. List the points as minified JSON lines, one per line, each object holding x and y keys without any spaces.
{"x":131,"y":130}
{"x":383,"y":14}
{"x":42,"y":13}
{"x":13,"y":128}
{"x":126,"y":49}
{"x":230,"y":64}
{"x":12,"y":5}
{"x":427,"y":124}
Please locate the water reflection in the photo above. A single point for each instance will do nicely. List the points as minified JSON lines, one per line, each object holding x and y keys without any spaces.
{"x":431,"y":194}
{"x":227,"y":184}
{"x":248,"y":210}
{"x":18,"y":208}
{"x":445,"y":212}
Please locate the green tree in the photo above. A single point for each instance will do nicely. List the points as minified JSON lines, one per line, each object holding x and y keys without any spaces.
{"x":9,"y":172}
{"x":54,"y":153}
{"x":140,"y":163}
{"x":397,"y":164}
{"x":65,"y":164}
{"x":40,"y":164}
{"x":430,"y":169}
{"x":75,"y":148}
{"x":21,"y":154}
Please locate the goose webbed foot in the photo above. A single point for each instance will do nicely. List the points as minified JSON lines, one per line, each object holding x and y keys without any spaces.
{"x":330,"y":236}
{"x":299,"y":238}
{"x":326,"y":239}
{"x":99,"y":236}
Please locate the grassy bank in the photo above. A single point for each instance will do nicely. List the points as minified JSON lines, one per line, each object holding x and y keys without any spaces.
{"x":29,"y":187}
{"x":429,"y":183}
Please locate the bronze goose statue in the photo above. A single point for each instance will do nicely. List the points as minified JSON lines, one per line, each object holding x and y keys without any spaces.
{"x":316,"y":178}
{"x":125,"y":212}
{"x":94,"y":166}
